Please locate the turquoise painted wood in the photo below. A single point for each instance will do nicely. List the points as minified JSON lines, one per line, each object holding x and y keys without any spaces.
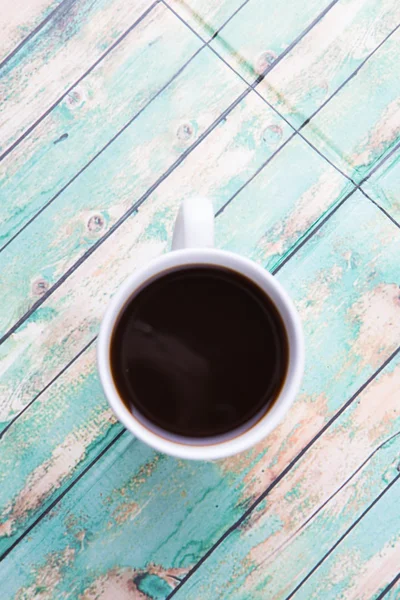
{"x":257,"y":35}
{"x":97,"y":109}
{"x":207,"y":17}
{"x":394,"y":592}
{"x":384,"y":185}
{"x":309,"y":183}
{"x":18,"y":19}
{"x":235,"y":150}
{"x":344,"y":40}
{"x":54,"y":59}
{"x":355,"y":135}
{"x":275,"y":548}
{"x":246,"y":476}
{"x":93,"y":116}
{"x":86,"y":511}
{"x":375,"y":543}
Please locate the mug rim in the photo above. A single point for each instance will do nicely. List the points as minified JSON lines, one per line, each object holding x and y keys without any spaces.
{"x":219,"y":448}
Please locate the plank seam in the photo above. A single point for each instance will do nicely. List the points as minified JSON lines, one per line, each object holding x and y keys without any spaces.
{"x":379,"y":164}
{"x":288,"y":256}
{"x":248,"y":511}
{"x":298,"y":130}
{"x":327,"y":501}
{"x":311,"y":232}
{"x":283,"y":473}
{"x":388,"y":215}
{"x":216,"y":122}
{"x":342,"y":537}
{"x":89,"y":70}
{"x":389,"y":587}
{"x":61,"y":496}
{"x":64,"y":4}
{"x":140,"y":201}
{"x":239,"y":8}
{"x":115,"y":136}
{"x":46,"y":387}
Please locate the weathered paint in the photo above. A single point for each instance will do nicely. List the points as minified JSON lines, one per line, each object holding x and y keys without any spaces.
{"x":135,"y":522}
{"x":217,"y":168}
{"x":19,"y":19}
{"x":348,"y":259}
{"x":129,"y":166}
{"x":319,"y":183}
{"x":53,"y":60}
{"x":233,"y":231}
{"x":384,"y":185}
{"x":21,"y":208}
{"x":256,"y":36}
{"x":94,"y":111}
{"x":314,"y":505}
{"x":354,"y":134}
{"x":338,"y":45}
{"x":393,"y":593}
{"x":368,"y":558}
{"x":207,"y":16}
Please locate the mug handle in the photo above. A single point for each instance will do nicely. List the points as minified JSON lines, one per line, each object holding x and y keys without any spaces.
{"x":194,"y":225}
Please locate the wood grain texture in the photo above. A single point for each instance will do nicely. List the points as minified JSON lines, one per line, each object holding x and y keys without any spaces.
{"x":207,"y":16}
{"x":394,"y":592}
{"x":327,"y":56}
{"x":217,"y":168}
{"x":317,"y":503}
{"x":384,"y":185}
{"x":257,"y":35}
{"x":366,"y":560}
{"x":295,"y":207}
{"x":38,"y":273}
{"x":44,"y":70}
{"x":121,"y":175}
{"x":356,"y":135}
{"x":23,"y":279}
{"x":131,"y":481}
{"x":91,"y":114}
{"x":80,"y":115}
{"x":113,"y":113}
{"x":19,"y":19}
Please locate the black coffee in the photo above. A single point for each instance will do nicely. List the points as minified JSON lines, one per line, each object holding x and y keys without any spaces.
{"x":200,"y":352}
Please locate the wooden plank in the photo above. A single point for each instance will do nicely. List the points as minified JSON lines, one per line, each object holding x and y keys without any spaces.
{"x":302,"y":518}
{"x":354,"y":138}
{"x":34,"y":161}
{"x":340,"y":281}
{"x":40,"y":271}
{"x":366,"y":560}
{"x":313,"y":190}
{"x":217,"y":168}
{"x":19,"y":19}
{"x":258,"y":34}
{"x":384,"y":186}
{"x":327,"y":56}
{"x":60,"y":435}
{"x":51,"y":62}
{"x":394,"y":592}
{"x":206,"y":16}
{"x":120,"y":175}
{"x":276,"y":213}
{"x":104,"y":102}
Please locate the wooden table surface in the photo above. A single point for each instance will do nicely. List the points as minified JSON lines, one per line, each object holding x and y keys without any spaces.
{"x":287,"y":115}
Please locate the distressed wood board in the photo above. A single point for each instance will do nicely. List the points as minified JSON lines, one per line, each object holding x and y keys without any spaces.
{"x":287,"y":116}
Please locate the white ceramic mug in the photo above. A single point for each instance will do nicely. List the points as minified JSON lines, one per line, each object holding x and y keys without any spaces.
{"x":193,"y":245}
